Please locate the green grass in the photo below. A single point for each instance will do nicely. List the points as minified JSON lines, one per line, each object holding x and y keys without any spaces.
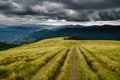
{"x":65,"y":71}
{"x":52,"y":59}
{"x":84,"y":70}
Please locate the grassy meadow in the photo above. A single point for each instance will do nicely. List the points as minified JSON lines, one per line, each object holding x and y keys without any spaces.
{"x":59,"y":59}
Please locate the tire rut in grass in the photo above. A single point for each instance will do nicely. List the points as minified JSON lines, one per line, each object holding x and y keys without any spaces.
{"x":45,"y":67}
{"x":88,"y":62}
{"x":101,"y":62}
{"x":10,"y":60}
{"x":46,"y":60}
{"x":62,"y":63}
{"x":96,"y":58}
{"x":97,"y":68}
{"x":33,"y":65}
{"x":74,"y":65}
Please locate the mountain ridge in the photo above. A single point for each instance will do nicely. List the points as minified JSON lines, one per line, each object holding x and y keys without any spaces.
{"x":105,"y":32}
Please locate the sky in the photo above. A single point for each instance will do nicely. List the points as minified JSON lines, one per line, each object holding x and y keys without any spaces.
{"x":50,"y":11}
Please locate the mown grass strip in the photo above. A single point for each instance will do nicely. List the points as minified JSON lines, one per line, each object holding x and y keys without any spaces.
{"x":49,"y":70}
{"x":106,"y":62}
{"x":29,"y":69}
{"x":84,"y":72}
{"x":97,"y":68}
{"x":65,"y":71}
{"x":14,"y":68}
{"x":9,"y":60}
{"x":62,"y":63}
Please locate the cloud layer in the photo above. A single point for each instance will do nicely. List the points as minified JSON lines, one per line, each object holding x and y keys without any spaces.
{"x":17,"y":11}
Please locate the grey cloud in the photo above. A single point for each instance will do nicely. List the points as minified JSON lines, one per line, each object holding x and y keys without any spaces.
{"x":48,"y":7}
{"x":71,"y":10}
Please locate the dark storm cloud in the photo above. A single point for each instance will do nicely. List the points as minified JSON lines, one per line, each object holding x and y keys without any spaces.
{"x":5,"y":5}
{"x":75,"y":10}
{"x":91,"y":4}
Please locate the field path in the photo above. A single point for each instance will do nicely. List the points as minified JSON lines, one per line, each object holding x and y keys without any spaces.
{"x":44,"y":71}
{"x":74,"y":65}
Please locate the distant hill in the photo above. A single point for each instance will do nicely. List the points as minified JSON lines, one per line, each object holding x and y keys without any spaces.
{"x":9,"y":34}
{"x":4,"y":46}
{"x":22,"y":34}
{"x":105,"y":32}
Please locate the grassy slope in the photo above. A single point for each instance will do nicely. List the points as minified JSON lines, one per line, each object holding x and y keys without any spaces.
{"x":96,"y":59}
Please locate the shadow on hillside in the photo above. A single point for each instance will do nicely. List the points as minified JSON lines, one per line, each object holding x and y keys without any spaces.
{"x":82,"y":38}
{"x":4,"y":46}
{"x":74,"y":38}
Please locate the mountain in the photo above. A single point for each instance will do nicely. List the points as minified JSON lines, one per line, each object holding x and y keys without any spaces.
{"x":9,"y":34}
{"x":4,"y":46}
{"x":105,"y":32}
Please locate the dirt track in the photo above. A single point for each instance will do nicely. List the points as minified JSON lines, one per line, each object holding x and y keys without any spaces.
{"x":74,"y":65}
